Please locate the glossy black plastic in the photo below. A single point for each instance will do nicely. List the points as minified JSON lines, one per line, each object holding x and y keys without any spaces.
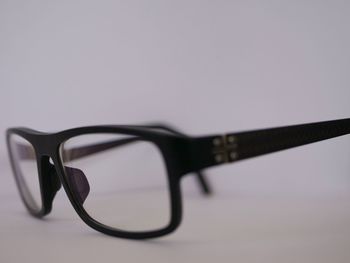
{"x":182,"y":155}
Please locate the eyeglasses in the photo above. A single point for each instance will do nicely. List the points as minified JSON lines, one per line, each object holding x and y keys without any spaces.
{"x":125,"y":180}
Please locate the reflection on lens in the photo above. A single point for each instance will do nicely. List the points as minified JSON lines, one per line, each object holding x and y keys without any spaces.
{"x":119,"y":180}
{"x":26,"y":171}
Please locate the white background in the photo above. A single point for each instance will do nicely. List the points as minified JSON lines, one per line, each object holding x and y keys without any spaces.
{"x":206,"y":67}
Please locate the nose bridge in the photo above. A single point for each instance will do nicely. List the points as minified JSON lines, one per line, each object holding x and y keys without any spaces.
{"x":46,"y":145}
{"x":50,"y":182}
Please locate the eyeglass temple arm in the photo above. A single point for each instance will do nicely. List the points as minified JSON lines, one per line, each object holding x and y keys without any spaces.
{"x":27,"y":153}
{"x":80,"y":152}
{"x":216,"y":150}
{"x":83,"y":151}
{"x":87,"y":150}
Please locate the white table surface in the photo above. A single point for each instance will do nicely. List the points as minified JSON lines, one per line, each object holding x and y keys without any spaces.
{"x":226,"y":227}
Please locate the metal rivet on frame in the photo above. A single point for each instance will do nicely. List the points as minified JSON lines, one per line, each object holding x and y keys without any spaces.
{"x":231,"y":139}
{"x":219,"y":158}
{"x":225,"y":149}
{"x":233,"y":156}
{"x":217,"y":141}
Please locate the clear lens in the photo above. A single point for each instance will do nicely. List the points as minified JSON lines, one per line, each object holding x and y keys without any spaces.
{"x":120,"y":180}
{"x":26,"y":171}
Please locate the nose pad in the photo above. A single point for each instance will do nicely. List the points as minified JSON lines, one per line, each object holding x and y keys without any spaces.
{"x":51,"y":183}
{"x":78,"y":183}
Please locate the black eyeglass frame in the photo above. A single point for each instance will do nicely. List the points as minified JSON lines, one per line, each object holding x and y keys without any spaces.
{"x":182,"y":155}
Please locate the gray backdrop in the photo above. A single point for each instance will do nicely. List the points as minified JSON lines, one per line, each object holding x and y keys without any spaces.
{"x":204,"y":66}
